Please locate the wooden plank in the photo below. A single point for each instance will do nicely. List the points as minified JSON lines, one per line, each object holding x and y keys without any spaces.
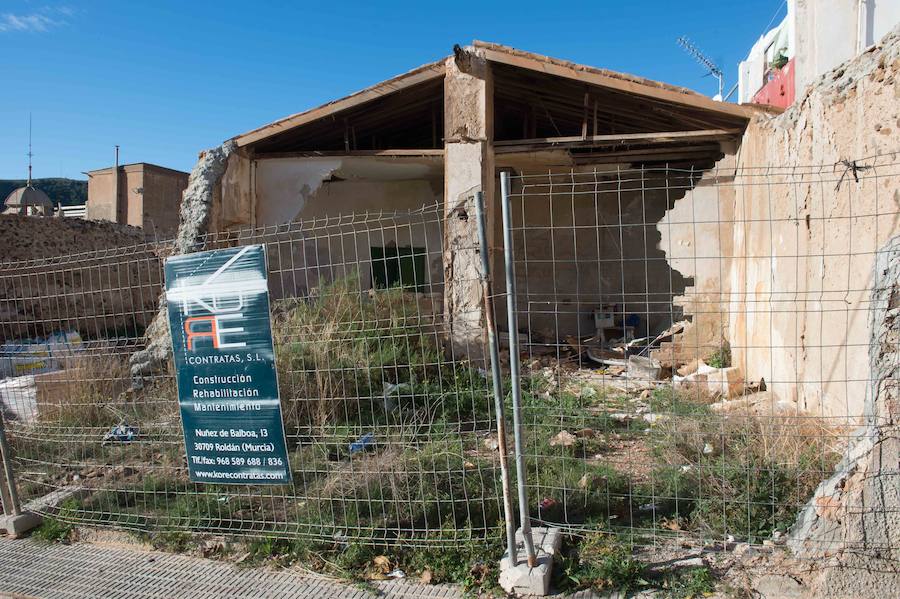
{"x":620,"y":82}
{"x":620,"y":139}
{"x":422,"y":74}
{"x":677,"y":154}
{"x":584,"y":116}
{"x":404,"y":153}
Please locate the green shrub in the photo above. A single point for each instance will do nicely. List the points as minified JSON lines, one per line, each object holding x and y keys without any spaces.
{"x":690,"y":583}
{"x":721,"y":358}
{"x":601,"y":562}
{"x":53,"y":530}
{"x":745,"y":476}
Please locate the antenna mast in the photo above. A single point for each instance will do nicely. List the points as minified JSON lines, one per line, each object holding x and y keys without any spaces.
{"x":705,"y":62}
{"x":30,"y":154}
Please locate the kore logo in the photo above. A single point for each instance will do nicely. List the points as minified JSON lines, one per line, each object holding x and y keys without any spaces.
{"x":210,"y":305}
{"x":210,"y":327}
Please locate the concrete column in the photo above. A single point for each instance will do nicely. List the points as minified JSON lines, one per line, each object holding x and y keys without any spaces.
{"x":468,"y":167}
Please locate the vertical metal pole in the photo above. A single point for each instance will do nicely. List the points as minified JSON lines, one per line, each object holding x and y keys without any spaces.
{"x":494,"y":351}
{"x":515,"y":383}
{"x":6,"y":454}
{"x":121,"y":213}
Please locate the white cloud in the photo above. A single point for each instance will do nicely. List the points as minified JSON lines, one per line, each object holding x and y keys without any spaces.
{"x":35,"y":22}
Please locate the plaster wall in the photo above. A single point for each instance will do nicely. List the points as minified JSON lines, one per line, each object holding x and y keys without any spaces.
{"x":340,"y":209}
{"x":236,"y":208}
{"x":150,"y":198}
{"x":804,"y":245}
{"x":101,"y":204}
{"x":696,"y":235}
{"x":161,"y":197}
{"x":132,"y":191}
{"x":832,"y":31}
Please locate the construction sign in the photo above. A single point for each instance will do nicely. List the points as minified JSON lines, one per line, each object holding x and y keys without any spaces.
{"x":218,"y":305}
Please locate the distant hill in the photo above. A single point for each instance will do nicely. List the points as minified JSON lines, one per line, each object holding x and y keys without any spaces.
{"x":68,"y":192}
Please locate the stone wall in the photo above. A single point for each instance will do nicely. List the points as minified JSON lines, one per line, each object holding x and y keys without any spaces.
{"x":69,"y":274}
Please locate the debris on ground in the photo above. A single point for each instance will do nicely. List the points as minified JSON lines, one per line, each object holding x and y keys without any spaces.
{"x":726,"y":382}
{"x":18,"y":398}
{"x":640,"y":367}
{"x":121,"y":433}
{"x":363,"y":443}
{"x":388,"y":395}
{"x":42,"y":354}
{"x":563,"y":439}
{"x":764,"y":403}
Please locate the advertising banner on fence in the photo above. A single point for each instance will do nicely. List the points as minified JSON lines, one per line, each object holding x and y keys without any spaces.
{"x":225,"y":365}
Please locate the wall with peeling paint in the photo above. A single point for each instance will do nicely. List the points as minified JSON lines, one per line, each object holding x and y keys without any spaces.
{"x":804,"y":250}
{"x":315,"y":190}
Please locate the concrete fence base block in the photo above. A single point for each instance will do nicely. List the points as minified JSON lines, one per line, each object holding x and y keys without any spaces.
{"x":517,"y":577}
{"x":16,"y":526}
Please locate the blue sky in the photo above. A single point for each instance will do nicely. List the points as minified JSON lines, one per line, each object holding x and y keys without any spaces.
{"x":166,"y":79}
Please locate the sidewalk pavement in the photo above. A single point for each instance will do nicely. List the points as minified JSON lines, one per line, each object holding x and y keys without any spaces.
{"x":32,"y":569}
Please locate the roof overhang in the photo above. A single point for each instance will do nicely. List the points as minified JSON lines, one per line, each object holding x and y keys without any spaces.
{"x":610,"y":79}
{"x":422,"y":74}
{"x":620,"y":82}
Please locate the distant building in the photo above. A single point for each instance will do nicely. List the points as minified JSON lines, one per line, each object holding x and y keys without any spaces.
{"x":142,"y":195}
{"x":813,"y":38}
{"x":28,"y":200}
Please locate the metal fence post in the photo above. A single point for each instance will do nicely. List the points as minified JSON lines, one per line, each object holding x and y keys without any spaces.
{"x":515,"y":382}
{"x":11,"y":492}
{"x":494,"y":351}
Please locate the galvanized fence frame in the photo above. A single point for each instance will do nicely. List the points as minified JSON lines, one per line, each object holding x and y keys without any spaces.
{"x":598,"y":444}
{"x":392,"y":427}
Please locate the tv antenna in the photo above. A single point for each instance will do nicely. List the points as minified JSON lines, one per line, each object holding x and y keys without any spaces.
{"x":705,"y":62}
{"x":30,"y":154}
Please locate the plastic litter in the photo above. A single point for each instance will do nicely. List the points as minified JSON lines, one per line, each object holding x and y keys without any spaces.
{"x":398,"y":573}
{"x":42,"y":354}
{"x":389,"y":390}
{"x":121,"y":433}
{"x":363,"y":443}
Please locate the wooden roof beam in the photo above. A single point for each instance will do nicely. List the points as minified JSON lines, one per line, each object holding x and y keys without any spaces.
{"x":422,"y":74}
{"x":620,"y":139}
{"x":609,"y":79}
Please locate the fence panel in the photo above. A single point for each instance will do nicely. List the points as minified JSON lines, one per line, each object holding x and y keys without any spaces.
{"x":389,"y":427}
{"x":695,"y":341}
{"x":695,"y":354}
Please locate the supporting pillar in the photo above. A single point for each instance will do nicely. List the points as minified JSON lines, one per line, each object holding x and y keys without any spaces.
{"x":468,"y":168}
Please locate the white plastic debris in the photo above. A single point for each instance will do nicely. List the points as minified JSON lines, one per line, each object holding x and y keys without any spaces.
{"x":33,"y":356}
{"x":19,"y":397}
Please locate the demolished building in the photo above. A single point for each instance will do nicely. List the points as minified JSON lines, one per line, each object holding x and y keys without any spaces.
{"x":440,"y":132}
